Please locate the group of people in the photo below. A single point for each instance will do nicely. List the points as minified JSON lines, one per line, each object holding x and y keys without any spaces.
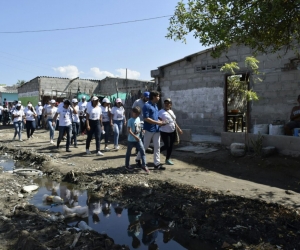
{"x":72,"y":118}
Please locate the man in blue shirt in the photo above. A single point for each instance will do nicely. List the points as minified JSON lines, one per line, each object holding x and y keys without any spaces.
{"x":151,"y":127}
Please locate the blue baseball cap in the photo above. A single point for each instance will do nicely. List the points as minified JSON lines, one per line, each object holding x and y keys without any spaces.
{"x":146,"y":94}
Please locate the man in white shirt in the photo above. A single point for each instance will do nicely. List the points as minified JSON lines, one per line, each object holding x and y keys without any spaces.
{"x":1,"y":108}
{"x":39,"y":113}
{"x":82,"y":107}
{"x":65,"y":122}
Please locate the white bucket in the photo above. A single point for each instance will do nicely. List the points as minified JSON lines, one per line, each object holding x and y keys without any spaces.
{"x":276,"y":129}
{"x":261,"y":129}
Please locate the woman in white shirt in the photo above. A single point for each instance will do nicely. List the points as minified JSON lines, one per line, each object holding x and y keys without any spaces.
{"x":30,"y":116}
{"x":49,"y":112}
{"x":39,"y":113}
{"x":75,"y":123}
{"x":18,"y":116}
{"x":93,"y":125}
{"x":106,"y":113}
{"x":167,"y":132}
{"x":117,"y":120}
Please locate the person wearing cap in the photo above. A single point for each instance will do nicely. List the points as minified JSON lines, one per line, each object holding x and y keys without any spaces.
{"x":49,"y":113}
{"x":65,"y":113}
{"x":39,"y":113}
{"x":151,"y":127}
{"x":168,"y":132}
{"x":106,"y":114}
{"x":17,"y":116}
{"x":82,"y":107}
{"x":294,"y":119}
{"x":75,"y":123}
{"x":93,"y":124}
{"x":117,"y":120}
{"x":30,"y":116}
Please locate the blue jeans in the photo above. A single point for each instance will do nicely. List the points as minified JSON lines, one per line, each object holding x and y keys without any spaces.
{"x":39,"y":118}
{"x":118,"y":127}
{"x":75,"y":129}
{"x":139,"y":145}
{"x":18,"y":129}
{"x":62,"y":130}
{"x":106,"y":126}
{"x":30,"y":127}
{"x":95,"y":128}
{"x":51,"y":128}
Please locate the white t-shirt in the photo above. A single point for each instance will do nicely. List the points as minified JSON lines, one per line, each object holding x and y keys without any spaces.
{"x":76,"y":116}
{"x":165,"y":116}
{"x":94,"y":112}
{"x":50,"y":112}
{"x":16,"y":113}
{"x":39,"y":109}
{"x":105,"y":114}
{"x":29,"y":115}
{"x":82,"y":107}
{"x":118,"y":113}
{"x":1,"y":108}
{"x":65,"y":116}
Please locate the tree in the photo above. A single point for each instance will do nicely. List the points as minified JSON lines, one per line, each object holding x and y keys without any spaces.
{"x":264,"y":25}
{"x":20,"y":82}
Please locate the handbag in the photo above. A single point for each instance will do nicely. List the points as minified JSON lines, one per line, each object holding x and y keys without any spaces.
{"x":177,"y":138}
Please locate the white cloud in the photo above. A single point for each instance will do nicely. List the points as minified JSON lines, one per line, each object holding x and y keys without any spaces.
{"x":69,"y":71}
{"x":131,"y":74}
{"x":97,"y":73}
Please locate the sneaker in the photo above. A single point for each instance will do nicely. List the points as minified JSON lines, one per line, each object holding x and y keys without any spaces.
{"x":138,"y":163}
{"x":20,"y":140}
{"x":32,"y":137}
{"x":88,"y":152}
{"x":116,"y":147}
{"x":51,"y":142}
{"x":159,"y":167}
{"x":145,"y":169}
{"x":106,"y":148}
{"x":75,"y":146}
{"x":169,"y":162}
{"x":68,"y":150}
{"x":99,"y":153}
{"x":129,"y":168}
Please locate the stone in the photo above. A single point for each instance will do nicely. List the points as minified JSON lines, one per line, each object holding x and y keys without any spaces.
{"x":268,"y":151}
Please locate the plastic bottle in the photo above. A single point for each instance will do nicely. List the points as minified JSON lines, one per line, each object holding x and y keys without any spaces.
{"x":83,"y":226}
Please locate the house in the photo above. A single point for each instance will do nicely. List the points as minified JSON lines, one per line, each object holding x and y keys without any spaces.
{"x":199,"y":90}
{"x":8,"y":94}
{"x":44,"y":88}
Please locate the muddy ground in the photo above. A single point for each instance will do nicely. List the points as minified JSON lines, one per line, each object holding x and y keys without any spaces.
{"x":247,"y":203}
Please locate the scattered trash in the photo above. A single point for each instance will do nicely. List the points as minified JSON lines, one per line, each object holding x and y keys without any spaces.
{"x":211,"y":200}
{"x":83,"y":226}
{"x":20,"y":195}
{"x":226,"y":245}
{"x":75,"y":240}
{"x":30,"y":188}
{"x":238,"y":245}
{"x":51,"y":198}
{"x":76,"y":211}
{"x":28,"y":172}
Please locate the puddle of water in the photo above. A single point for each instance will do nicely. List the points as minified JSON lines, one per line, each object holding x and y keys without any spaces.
{"x":114,"y":220}
{"x":7,"y":163}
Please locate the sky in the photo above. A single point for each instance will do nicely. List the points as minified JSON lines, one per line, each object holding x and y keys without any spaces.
{"x":90,"y":53}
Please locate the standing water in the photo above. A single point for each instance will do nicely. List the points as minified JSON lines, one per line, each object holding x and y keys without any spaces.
{"x":125,"y":226}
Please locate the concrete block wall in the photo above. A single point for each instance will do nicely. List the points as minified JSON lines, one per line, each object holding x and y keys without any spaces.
{"x":198,"y":96}
{"x":108,"y":86}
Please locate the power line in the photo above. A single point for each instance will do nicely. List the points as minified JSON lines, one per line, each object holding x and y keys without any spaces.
{"x":84,"y":27}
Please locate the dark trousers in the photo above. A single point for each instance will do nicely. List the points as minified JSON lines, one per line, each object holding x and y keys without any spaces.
{"x":106,"y":126}
{"x":95,"y":128}
{"x":62,"y":130}
{"x":82,"y":123}
{"x":75,"y":129}
{"x":168,"y":139}
{"x":39,"y":118}
{"x":30,"y":127}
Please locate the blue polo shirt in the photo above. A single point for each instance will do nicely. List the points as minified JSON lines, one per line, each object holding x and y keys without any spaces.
{"x":150,"y":110}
